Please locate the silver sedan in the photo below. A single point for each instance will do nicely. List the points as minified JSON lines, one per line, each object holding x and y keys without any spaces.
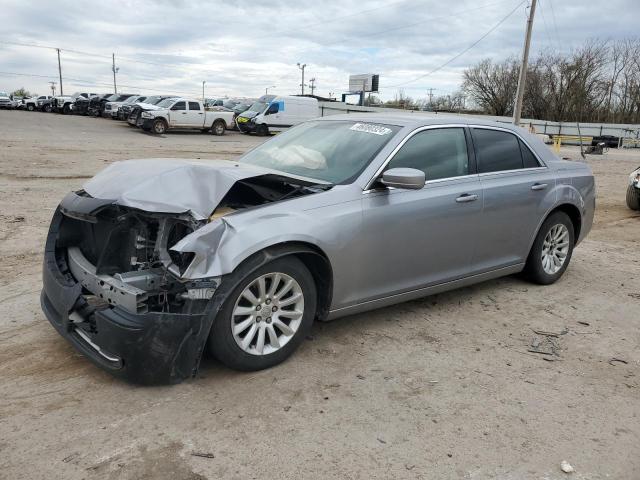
{"x":154,"y":259}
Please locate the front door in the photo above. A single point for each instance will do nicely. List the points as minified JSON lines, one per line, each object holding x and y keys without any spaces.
{"x":419,"y":238}
{"x":178,"y":114}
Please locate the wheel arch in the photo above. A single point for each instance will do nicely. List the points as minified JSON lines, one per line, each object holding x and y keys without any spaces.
{"x":220,"y":119}
{"x":574,"y":215}
{"x":312,"y":257}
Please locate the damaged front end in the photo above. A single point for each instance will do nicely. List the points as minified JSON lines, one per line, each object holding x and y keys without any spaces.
{"x":115,"y":288}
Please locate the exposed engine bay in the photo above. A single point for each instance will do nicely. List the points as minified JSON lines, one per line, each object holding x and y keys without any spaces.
{"x":122,"y":256}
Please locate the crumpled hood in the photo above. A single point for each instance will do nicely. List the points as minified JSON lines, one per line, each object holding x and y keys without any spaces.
{"x":148,"y":106}
{"x":248,"y":114}
{"x":170,"y":185}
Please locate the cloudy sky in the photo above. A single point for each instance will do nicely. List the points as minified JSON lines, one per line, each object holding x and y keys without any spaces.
{"x":241,"y":47}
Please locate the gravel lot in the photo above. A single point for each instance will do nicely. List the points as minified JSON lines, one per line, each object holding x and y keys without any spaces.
{"x":442,"y":387}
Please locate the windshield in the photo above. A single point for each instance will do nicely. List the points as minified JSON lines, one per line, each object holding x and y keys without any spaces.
{"x":121,"y":98}
{"x":4,"y":94}
{"x":167,"y":102}
{"x":257,"y":107}
{"x":153,"y":99}
{"x":229,"y":104}
{"x":331,"y":151}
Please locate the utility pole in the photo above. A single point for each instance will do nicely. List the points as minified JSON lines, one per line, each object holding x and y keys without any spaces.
{"x":431,"y":95}
{"x":313,"y":85}
{"x":266,"y":90}
{"x":302,"y":67}
{"x":517,"y":111}
{"x":203,"y":82}
{"x":60,"y":71}
{"x":115,"y":70}
{"x":53,"y":88}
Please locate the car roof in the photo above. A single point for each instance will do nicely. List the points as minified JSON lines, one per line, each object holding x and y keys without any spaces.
{"x":417,"y":120}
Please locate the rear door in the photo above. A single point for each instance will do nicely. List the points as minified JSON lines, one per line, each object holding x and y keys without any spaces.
{"x":418,"y":238}
{"x":518,"y":191}
{"x":195,"y":115}
{"x":177,"y":114}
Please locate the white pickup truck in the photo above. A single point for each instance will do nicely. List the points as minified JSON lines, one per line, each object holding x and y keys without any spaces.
{"x":185,"y":113}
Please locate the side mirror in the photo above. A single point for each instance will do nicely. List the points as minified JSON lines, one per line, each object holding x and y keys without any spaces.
{"x":409,"y":178}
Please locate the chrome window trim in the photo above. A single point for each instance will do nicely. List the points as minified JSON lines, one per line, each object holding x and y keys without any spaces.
{"x":542,"y":164}
{"x":502,"y":129}
{"x":393,"y":153}
{"x":515,"y":170}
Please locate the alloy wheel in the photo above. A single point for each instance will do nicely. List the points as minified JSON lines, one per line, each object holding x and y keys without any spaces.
{"x":267,"y":314}
{"x":555,"y":249}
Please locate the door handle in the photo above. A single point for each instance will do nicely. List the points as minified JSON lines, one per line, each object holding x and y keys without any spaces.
{"x":538,"y":186}
{"x":200,"y":113}
{"x":465,"y":197}
{"x":184,"y":113}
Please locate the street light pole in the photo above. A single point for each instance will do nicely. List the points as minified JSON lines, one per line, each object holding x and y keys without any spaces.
{"x":203,"y":82}
{"x":517,"y":111}
{"x":302,"y":67}
{"x":115,"y":70}
{"x":266,"y":90}
{"x":60,"y":71}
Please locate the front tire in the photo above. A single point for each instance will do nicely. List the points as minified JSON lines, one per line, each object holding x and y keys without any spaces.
{"x":30,"y":108}
{"x":262,"y":130}
{"x":633,"y":198}
{"x":159,"y":127}
{"x":551,"y":251}
{"x":266,"y":317}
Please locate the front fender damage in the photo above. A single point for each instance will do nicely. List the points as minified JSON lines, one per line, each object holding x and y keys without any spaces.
{"x":128,"y":272}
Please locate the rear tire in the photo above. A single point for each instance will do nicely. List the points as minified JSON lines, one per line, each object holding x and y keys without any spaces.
{"x":218,"y":128}
{"x":633,"y":198}
{"x":282,"y":332}
{"x":66,"y":109}
{"x":551,"y":251}
{"x":30,"y":108}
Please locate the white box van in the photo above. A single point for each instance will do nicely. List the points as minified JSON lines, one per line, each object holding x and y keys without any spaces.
{"x":272,"y":113}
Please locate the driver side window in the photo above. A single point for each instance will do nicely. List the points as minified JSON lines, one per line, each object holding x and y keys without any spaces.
{"x":439,"y":153}
{"x":179,"y":106}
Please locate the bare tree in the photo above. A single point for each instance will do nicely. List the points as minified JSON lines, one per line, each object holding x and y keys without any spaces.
{"x":598,"y":81}
{"x":492,"y":86}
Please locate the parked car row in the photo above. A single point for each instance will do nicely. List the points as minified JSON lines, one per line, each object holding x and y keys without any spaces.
{"x":161,"y":113}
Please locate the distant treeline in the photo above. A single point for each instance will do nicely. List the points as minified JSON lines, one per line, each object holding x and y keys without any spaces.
{"x":599,"y":82}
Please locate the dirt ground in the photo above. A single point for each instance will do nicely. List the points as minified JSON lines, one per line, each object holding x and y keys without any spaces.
{"x":442,"y":387}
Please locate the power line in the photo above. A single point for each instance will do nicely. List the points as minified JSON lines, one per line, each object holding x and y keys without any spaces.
{"x":552,"y":38}
{"x":555,"y":25}
{"x":97,"y":84}
{"x":455,"y":57}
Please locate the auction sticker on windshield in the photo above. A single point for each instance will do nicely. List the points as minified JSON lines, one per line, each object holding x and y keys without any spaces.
{"x":371,"y":128}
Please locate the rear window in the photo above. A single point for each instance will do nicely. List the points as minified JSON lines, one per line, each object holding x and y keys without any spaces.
{"x":496,"y":150}
{"x":528,"y":158}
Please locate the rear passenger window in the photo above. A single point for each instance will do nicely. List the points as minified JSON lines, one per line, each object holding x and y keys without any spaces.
{"x":439,"y":153}
{"x":496,"y":150}
{"x":528,"y":159}
{"x":194,"y":106}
